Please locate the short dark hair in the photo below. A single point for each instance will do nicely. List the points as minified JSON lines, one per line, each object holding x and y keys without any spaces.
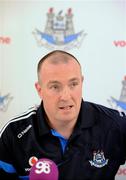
{"x":55,"y":52}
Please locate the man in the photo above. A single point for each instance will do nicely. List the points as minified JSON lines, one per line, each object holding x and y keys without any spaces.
{"x":87,"y":141}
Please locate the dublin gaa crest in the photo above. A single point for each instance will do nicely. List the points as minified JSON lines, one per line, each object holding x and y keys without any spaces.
{"x":59,"y":32}
{"x":120,"y":104}
{"x":98,"y":159}
{"x":4,"y":101}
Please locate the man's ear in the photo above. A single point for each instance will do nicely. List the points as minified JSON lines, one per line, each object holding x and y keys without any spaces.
{"x":82,"y":78}
{"x":39,"y":89}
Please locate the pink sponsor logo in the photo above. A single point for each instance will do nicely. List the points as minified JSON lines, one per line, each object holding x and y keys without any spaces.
{"x":5,"y":40}
{"x":122,"y":172}
{"x":120,"y":43}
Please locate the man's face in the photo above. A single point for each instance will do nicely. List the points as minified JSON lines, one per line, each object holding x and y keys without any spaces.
{"x":60,"y":90}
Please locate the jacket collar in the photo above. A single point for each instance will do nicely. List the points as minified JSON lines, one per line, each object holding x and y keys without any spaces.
{"x":86,"y":118}
{"x":43,"y":127}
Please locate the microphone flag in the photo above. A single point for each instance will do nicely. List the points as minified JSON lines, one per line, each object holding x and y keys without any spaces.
{"x":44,"y":169}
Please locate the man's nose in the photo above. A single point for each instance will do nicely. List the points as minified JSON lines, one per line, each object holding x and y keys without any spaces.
{"x":65,"y":94}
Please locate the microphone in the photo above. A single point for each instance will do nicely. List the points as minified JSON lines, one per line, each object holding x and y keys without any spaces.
{"x":44,"y":169}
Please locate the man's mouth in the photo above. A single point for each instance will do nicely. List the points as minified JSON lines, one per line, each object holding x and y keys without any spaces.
{"x":66,"y":107}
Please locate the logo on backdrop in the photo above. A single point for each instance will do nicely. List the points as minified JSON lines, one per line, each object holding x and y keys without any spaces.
{"x":4,"y":101}
{"x":5,"y":40}
{"x":59,"y":32}
{"x":120,"y":104}
{"x":120,"y":43}
{"x":122,"y":171}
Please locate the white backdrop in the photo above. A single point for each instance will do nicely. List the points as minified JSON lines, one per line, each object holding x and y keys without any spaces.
{"x":102,"y":52}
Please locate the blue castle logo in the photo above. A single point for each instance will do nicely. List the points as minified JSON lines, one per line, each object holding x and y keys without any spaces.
{"x":59,"y":32}
{"x":4,"y":101}
{"x":120,"y":104}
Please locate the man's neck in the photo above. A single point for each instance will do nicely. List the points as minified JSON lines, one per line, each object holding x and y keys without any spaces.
{"x":65,"y":129}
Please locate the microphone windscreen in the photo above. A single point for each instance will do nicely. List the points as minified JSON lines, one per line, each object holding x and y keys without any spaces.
{"x":44,"y":169}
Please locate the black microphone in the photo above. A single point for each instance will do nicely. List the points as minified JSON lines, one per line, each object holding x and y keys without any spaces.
{"x":44,"y":169}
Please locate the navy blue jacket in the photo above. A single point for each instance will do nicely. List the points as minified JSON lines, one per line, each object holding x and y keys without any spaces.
{"x":95,"y":150}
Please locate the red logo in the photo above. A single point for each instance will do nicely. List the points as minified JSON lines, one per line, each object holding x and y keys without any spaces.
{"x":5,"y":40}
{"x":120,"y":43}
{"x":33,"y":160}
{"x":121,"y":172}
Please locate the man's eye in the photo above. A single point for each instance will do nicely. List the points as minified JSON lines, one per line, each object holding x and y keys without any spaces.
{"x":54,"y":87}
{"x":74,"y":84}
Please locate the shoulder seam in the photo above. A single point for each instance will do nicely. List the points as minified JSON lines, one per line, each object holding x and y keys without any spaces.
{"x":18,"y":118}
